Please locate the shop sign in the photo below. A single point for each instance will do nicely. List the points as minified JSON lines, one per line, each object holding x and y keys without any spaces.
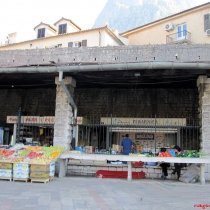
{"x":12,"y":119}
{"x":32,"y":119}
{"x":82,"y":120}
{"x":144,"y":136}
{"x":144,"y":121}
{"x":48,"y":120}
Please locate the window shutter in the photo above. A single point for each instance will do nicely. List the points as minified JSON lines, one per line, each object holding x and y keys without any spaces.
{"x":70,"y":44}
{"x":43,"y":32}
{"x":60,"y":29}
{"x":39,"y":33}
{"x":84,"y":43}
{"x":64,"y":28}
{"x":206,"y":22}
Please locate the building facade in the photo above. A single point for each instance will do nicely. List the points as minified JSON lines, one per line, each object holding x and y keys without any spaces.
{"x":190,"y":26}
{"x":65,"y":33}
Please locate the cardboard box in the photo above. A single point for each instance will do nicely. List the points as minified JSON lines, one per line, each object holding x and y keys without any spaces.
{"x":39,"y":167}
{"x":21,"y":167}
{"x":20,"y":174}
{"x":39,"y":174}
{"x":6,"y":173}
{"x":5,"y":165}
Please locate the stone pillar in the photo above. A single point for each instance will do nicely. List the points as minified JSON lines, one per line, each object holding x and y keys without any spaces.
{"x":63,"y":113}
{"x":203,"y":84}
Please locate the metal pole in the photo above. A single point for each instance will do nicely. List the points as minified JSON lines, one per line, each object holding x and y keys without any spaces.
{"x":155,"y":134}
{"x":18,"y":125}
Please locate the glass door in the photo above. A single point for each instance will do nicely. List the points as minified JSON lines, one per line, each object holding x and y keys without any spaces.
{"x":182,"y":32}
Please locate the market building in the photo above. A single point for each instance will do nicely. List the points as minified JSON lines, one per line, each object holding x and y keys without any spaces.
{"x":159,"y":94}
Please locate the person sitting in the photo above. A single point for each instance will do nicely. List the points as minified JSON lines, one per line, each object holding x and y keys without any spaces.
{"x":178,"y":166}
{"x":164,"y":166}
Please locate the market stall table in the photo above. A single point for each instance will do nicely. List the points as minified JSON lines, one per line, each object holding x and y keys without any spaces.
{"x":83,"y":156}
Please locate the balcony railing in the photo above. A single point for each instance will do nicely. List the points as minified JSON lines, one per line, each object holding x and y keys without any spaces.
{"x":179,"y":37}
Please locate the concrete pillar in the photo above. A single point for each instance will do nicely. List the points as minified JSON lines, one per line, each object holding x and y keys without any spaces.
{"x":203,"y":84}
{"x":63,"y":114}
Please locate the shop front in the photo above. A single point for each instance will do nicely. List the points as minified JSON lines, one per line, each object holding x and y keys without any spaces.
{"x":33,"y":130}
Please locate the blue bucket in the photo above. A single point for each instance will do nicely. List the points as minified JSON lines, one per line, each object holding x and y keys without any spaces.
{"x":151,"y":164}
{"x":172,"y":152}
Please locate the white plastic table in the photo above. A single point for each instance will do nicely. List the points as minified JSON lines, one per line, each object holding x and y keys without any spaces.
{"x":84,"y":156}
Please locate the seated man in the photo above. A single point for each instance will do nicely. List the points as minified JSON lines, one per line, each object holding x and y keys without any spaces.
{"x":164,"y":166}
{"x":178,"y":166}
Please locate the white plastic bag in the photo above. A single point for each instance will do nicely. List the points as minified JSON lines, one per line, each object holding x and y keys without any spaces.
{"x":191,"y":175}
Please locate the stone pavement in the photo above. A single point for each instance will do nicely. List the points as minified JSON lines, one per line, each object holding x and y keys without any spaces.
{"x":74,"y":193}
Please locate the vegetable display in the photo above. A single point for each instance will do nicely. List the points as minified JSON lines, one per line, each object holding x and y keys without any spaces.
{"x":191,"y":154}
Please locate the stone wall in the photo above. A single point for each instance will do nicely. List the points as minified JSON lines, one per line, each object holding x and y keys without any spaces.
{"x":121,"y":54}
{"x":95,"y":103}
{"x":203,"y":84}
{"x":35,"y":102}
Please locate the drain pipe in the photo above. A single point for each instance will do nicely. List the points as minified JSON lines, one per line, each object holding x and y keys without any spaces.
{"x":109,"y":67}
{"x":71,"y":100}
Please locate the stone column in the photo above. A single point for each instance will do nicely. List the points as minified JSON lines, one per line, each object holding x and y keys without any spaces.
{"x":63,"y":114}
{"x":203,"y":84}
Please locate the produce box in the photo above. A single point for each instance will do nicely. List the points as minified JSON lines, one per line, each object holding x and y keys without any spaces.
{"x":21,"y":167}
{"x":45,"y":167}
{"x":39,"y":174}
{"x":52,"y":173}
{"x":5,"y":165}
{"x":6,"y":173}
{"x":20,"y":174}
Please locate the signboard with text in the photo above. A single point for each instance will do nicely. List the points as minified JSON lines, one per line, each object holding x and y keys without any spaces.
{"x":32,"y":119}
{"x":144,"y":121}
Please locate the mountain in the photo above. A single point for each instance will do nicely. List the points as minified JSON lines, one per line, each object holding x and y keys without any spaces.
{"x":124,"y":15}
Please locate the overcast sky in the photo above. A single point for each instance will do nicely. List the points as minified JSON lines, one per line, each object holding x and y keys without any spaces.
{"x":22,"y":16}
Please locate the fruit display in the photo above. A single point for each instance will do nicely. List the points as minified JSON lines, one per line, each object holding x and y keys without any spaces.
{"x":31,"y":154}
{"x":6,"y":152}
{"x":164,"y":154}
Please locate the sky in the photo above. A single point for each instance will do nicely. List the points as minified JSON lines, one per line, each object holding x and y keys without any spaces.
{"x":22,"y":16}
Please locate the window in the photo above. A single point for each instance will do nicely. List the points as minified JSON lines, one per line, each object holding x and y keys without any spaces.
{"x":206,"y":22}
{"x":62,"y":29}
{"x":182,"y":31}
{"x":41,"y":32}
{"x":82,"y":43}
{"x":70,"y":44}
{"x":77,"y":44}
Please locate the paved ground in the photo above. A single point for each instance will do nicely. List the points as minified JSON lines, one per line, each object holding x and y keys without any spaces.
{"x":71,"y":193}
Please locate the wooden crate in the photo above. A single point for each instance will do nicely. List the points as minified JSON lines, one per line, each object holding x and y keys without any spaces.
{"x":6,"y":178}
{"x":21,"y":179}
{"x":40,"y":180}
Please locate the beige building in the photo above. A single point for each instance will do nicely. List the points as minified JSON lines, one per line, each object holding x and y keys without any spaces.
{"x":65,"y":33}
{"x":189,"y":26}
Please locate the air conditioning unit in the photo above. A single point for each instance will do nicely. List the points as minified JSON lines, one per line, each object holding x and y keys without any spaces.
{"x":169,"y":27}
{"x":208,"y":32}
